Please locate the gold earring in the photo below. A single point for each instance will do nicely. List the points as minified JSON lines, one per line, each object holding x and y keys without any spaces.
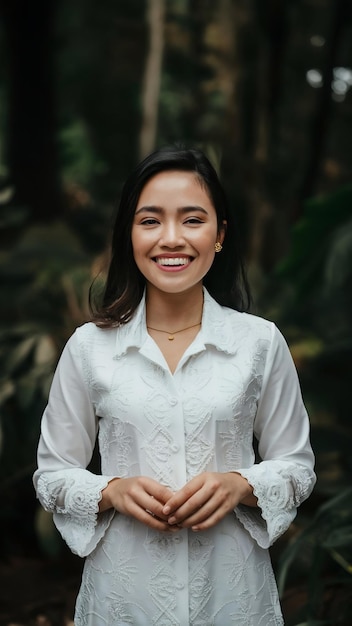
{"x":218,"y":247}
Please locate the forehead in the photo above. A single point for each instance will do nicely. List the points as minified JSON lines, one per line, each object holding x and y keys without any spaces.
{"x":167,"y":184}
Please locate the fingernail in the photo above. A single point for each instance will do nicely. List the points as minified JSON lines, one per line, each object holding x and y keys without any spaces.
{"x":166,"y":510}
{"x":195,"y":528}
{"x":172,"y":520}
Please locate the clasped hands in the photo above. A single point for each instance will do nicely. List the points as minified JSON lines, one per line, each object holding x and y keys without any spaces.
{"x":199,"y":505}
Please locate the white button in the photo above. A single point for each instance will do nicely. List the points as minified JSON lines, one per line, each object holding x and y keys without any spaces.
{"x":175,"y":447}
{"x":173,"y":401}
{"x":178,"y":539}
{"x":180,"y":585}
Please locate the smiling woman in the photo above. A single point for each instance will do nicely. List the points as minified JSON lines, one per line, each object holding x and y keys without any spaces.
{"x":225,"y":280}
{"x":173,"y":238}
{"x":176,"y":380}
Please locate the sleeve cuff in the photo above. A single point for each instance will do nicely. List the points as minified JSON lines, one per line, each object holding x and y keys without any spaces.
{"x":75,"y":507}
{"x":279,"y":488}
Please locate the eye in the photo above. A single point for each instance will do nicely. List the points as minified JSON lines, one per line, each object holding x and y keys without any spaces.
{"x":193,"y":220}
{"x":150,"y":221}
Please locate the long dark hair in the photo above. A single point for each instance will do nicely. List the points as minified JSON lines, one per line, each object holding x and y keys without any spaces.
{"x":226,"y":280}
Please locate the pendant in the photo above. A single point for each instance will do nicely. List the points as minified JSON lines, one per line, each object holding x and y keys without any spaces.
{"x":171,"y":337}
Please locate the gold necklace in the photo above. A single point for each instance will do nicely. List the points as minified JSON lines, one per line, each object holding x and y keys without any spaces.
{"x":172,"y":334}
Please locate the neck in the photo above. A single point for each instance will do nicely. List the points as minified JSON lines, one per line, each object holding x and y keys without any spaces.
{"x":173,"y":311}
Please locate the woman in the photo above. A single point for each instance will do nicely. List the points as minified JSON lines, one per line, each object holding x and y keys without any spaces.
{"x":176,"y":381}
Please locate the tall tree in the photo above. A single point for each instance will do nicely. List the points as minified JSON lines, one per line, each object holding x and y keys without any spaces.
{"x":152,"y":76}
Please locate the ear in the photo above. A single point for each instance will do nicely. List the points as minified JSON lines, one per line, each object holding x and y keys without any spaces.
{"x":222,"y":232}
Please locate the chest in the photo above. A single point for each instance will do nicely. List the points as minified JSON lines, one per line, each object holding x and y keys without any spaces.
{"x":209,"y":387}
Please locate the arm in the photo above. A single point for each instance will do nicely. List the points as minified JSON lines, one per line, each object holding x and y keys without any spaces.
{"x":68,"y":434}
{"x":271,"y":490}
{"x":285,"y":477}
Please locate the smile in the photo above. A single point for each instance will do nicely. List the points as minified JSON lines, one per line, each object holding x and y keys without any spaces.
{"x":173,"y":261}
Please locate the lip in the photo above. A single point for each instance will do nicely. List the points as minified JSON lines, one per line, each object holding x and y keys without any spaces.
{"x":173,"y":262}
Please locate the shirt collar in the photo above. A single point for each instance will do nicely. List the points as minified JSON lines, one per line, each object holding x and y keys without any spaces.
{"x":216,"y":329}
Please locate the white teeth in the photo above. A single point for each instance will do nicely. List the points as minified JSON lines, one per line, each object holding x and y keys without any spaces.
{"x":172,"y":261}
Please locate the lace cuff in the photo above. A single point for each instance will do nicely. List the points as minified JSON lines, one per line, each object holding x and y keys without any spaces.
{"x":280,"y":488}
{"x":73,"y":496}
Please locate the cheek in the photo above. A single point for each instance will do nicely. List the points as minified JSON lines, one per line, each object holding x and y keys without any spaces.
{"x":136,"y":242}
{"x":208,"y":242}
{"x":136,"y":254}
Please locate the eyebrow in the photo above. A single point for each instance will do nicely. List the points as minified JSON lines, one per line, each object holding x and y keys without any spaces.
{"x":158,"y":210}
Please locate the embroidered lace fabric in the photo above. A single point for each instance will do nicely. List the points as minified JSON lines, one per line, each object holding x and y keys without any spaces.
{"x":236,"y":380}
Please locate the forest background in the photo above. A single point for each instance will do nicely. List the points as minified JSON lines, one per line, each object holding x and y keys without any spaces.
{"x":86,"y":89}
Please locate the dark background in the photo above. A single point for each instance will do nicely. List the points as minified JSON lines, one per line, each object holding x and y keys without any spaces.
{"x":86,"y":89}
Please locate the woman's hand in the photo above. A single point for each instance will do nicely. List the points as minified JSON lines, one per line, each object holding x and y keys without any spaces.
{"x":139,"y":497}
{"x":206,"y":499}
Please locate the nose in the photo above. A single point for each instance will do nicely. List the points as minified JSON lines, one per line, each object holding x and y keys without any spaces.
{"x":172,"y":235}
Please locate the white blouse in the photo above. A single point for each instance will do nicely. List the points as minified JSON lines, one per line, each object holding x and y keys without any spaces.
{"x":237,"y":379}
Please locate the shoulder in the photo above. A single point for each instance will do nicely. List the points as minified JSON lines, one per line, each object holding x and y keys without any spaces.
{"x":261,"y":334}
{"x":236,"y":320}
{"x":249,"y":320}
{"x":233,"y":330}
{"x":249,"y":325}
{"x":255,"y":337}
{"x":91,"y":331}
{"x":89,"y":337}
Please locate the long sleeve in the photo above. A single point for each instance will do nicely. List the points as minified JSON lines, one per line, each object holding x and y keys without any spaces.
{"x":68,"y":433}
{"x":285,"y":477}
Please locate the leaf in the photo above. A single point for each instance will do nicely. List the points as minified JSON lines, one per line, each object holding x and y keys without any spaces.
{"x":7,"y":389}
{"x":333,"y":515}
{"x":45,"y":352}
{"x":341,"y":561}
{"x":19,"y":354}
{"x":339,"y":537}
{"x":322,"y":217}
{"x":338,"y":268}
{"x":343,"y":501}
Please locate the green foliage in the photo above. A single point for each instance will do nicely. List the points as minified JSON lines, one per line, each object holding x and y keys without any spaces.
{"x":324,"y":550}
{"x":79,"y":161}
{"x":316,"y":281}
{"x":45,"y":276}
{"x":319,"y":267}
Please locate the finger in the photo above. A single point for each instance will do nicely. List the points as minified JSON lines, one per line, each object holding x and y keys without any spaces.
{"x":149,"y":495}
{"x":159,"y":495}
{"x":148,"y":518}
{"x":203,"y":514}
{"x":150,"y":505}
{"x":209,"y":522}
{"x":203,"y":504}
{"x":182,"y":496}
{"x":159,"y":492}
{"x":192,"y":507}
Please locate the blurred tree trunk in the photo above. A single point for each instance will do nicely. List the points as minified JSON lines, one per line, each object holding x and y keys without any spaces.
{"x":246,"y":122}
{"x":251,"y":123}
{"x":320,"y":123}
{"x":152,"y":76}
{"x":31,"y":149}
{"x":199,"y":15}
{"x":274,"y":224}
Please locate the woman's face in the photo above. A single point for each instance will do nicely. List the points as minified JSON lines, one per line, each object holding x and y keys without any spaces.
{"x":174,"y":232}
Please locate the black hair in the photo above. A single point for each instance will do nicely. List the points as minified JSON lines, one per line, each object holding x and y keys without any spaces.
{"x":226,"y":280}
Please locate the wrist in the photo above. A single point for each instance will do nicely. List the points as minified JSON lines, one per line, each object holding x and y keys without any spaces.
{"x":247,"y":498}
{"x":106,"y":496}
